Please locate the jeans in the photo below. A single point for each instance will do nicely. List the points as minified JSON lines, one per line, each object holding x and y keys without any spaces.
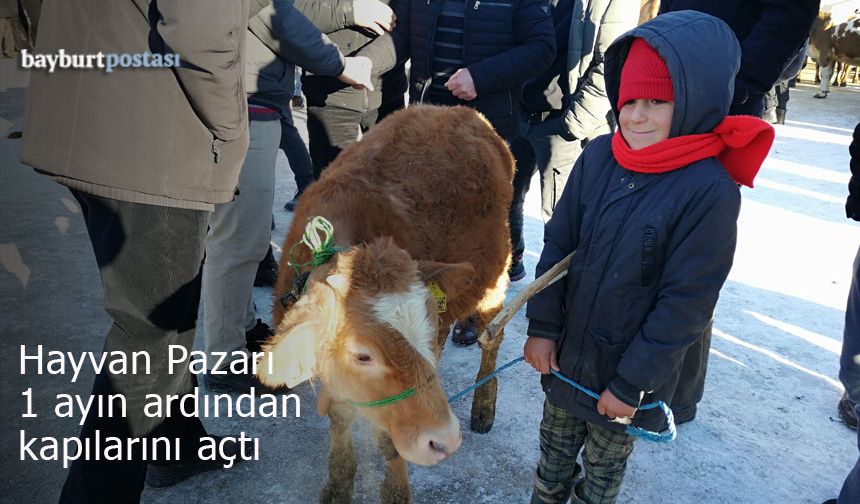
{"x":149,"y":261}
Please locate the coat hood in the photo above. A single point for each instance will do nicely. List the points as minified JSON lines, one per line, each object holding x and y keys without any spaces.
{"x":703,"y":57}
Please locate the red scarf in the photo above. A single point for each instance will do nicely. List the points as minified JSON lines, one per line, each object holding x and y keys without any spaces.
{"x":740,"y":143}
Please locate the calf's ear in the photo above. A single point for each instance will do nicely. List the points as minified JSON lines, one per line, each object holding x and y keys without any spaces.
{"x":453,"y":278}
{"x":290,"y":356}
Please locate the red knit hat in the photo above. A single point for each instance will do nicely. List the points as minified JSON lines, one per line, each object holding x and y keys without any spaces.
{"x":644,"y":75}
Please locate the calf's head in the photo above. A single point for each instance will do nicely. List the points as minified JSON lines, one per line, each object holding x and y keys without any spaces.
{"x":367,"y":327}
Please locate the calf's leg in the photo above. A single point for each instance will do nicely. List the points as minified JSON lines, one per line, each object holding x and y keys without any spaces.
{"x":484,"y":401}
{"x":341,"y":461}
{"x":395,"y":487}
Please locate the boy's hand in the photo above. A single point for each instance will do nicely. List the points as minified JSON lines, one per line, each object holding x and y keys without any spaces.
{"x":611,"y":406}
{"x":541,"y":354}
{"x":356,"y":72}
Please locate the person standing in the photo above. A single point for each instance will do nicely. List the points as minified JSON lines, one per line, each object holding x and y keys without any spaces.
{"x":147,"y":153}
{"x":849,"y":363}
{"x":338,"y":114}
{"x":770,"y":33}
{"x":652,"y":213}
{"x":476,"y":54}
{"x":564,"y":107}
{"x":240,"y":230}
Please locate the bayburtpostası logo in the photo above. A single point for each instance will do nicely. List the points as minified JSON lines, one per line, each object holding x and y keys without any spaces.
{"x":104,"y":61}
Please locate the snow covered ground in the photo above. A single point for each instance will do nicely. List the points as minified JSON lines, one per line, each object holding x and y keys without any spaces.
{"x":767,"y":429}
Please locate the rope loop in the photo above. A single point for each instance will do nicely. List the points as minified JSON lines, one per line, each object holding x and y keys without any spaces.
{"x":318,"y":237}
{"x":657,"y":437}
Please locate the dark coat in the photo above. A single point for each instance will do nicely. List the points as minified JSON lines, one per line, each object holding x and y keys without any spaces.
{"x":653,"y":249}
{"x":852,"y":206}
{"x":505,"y":43}
{"x":770,"y":33}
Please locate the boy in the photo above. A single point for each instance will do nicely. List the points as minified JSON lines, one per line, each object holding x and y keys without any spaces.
{"x":651,"y":212}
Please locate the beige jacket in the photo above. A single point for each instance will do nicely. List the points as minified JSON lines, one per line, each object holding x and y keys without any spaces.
{"x":164,"y":136}
{"x":595,"y":24}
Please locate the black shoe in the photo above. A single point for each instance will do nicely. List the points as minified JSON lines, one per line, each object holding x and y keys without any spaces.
{"x":846,"y":411}
{"x":298,"y":102}
{"x":290,"y":206}
{"x":257,"y":335}
{"x":267,"y":271}
{"x":230,"y":382}
{"x":465,"y":332}
{"x":517,"y":271}
{"x":684,"y":415}
{"x":780,"y":116}
{"x":160,"y":476}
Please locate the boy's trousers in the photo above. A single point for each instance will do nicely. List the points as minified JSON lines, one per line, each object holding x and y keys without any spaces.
{"x":604,"y":454}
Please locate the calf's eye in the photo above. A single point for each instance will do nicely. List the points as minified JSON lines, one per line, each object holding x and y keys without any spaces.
{"x":362,"y":358}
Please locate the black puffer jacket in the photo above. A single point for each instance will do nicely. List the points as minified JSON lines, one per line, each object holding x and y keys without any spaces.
{"x":852,"y":206}
{"x":653,"y":250}
{"x":770,"y":33}
{"x":506,"y":42}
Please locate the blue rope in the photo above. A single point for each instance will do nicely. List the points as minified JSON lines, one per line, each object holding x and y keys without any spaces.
{"x":658,"y":437}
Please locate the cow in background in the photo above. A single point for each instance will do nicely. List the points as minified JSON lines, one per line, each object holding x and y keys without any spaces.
{"x":831,"y":42}
{"x":418,"y":212}
{"x":843,"y":74}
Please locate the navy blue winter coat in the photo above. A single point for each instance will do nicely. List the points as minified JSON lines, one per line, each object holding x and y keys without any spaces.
{"x":770,"y":33}
{"x":653,"y":250}
{"x":506,"y":42}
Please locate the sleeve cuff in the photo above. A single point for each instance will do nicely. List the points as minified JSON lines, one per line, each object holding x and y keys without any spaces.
{"x":545,"y":330}
{"x":625,"y":392}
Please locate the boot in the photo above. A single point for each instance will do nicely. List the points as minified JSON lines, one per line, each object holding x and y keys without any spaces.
{"x":267,"y":271}
{"x":780,"y":116}
{"x":846,"y":411}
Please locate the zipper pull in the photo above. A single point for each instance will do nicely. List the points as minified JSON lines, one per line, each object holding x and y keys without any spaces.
{"x":477,"y":3}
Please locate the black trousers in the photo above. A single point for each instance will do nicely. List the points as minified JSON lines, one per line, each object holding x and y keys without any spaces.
{"x":149,"y":260}
{"x":297,"y":153}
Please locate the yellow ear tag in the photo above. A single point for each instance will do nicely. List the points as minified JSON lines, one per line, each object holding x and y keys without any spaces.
{"x":440,"y":297}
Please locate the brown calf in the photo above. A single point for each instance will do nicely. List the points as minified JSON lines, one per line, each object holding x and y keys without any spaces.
{"x":422,"y":199}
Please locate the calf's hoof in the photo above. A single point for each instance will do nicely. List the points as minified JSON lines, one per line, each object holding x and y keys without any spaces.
{"x":334,"y":494}
{"x":395,"y":495}
{"x":481,"y":424}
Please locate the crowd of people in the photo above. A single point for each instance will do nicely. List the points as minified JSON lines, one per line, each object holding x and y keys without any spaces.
{"x":640,"y":139}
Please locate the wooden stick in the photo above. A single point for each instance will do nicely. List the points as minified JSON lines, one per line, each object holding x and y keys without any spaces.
{"x":504,"y":316}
